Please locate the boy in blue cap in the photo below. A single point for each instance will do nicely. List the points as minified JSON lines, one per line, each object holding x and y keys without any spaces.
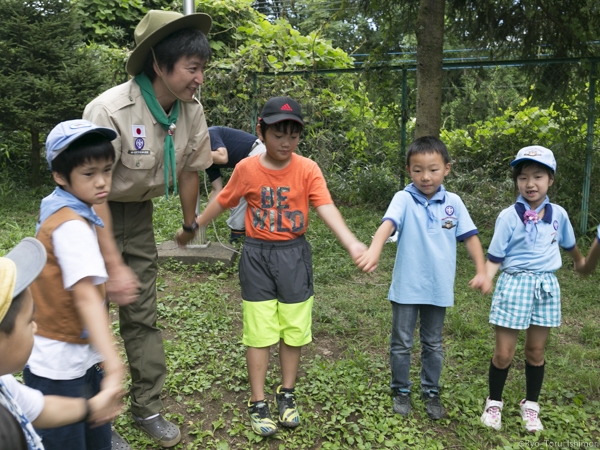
{"x":74,"y":353}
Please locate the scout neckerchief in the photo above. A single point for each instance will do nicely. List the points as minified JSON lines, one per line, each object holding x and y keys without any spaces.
{"x":530,"y":217}
{"x":168,"y":123}
{"x":418,"y":197}
{"x":7,"y":400}
{"x":61,"y":198}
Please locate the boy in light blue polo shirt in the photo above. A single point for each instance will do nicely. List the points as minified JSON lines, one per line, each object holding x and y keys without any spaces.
{"x":430,"y":221}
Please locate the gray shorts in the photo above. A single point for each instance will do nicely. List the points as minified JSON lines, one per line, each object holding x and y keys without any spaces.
{"x":279,"y":270}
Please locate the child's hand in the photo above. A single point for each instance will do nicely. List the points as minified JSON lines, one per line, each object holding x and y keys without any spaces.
{"x":123,"y":285}
{"x":356,"y":250}
{"x":105,"y":406}
{"x":368,"y":261}
{"x":481,"y":282}
{"x":582,"y":267}
{"x":114,"y":374}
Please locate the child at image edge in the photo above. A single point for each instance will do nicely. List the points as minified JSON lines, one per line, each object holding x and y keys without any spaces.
{"x":430,"y":220}
{"x":593,"y":256}
{"x":276,"y":264}
{"x":525,"y":247}
{"x":74,"y":353}
{"x":28,"y":406}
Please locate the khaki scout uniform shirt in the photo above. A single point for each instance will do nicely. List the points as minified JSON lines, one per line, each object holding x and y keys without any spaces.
{"x":139,"y":164}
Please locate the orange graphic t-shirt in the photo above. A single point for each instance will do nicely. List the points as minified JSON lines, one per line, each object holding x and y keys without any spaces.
{"x":277,"y":199}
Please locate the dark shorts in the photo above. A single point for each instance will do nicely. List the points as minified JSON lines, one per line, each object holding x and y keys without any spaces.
{"x":77,"y":436}
{"x":279,"y":270}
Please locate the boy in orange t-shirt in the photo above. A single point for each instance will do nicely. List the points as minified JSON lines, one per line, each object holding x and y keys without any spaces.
{"x":276,"y":263}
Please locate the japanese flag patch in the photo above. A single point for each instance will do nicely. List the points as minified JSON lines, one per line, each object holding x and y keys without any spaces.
{"x":138,"y":131}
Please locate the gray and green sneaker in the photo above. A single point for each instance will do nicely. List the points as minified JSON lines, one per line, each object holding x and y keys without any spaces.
{"x":260,"y":418}
{"x":402,"y":402}
{"x":288,"y":411}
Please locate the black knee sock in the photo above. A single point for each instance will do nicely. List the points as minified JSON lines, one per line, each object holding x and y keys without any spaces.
{"x":534,"y":377}
{"x":497,"y":379}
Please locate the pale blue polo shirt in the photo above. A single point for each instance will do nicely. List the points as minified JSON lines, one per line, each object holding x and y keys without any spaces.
{"x":425,"y":263}
{"x":509,"y":245}
{"x":598,"y":235}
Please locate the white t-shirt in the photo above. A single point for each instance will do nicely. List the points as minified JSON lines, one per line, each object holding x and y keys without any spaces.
{"x":78,"y":254}
{"x":31,"y":401}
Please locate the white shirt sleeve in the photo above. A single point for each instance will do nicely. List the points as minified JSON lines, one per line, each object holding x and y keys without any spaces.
{"x":78,"y":253}
{"x":31,"y":401}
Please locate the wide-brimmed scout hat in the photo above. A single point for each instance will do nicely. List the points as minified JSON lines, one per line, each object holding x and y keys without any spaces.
{"x":157,"y":25}
{"x":18,"y":269}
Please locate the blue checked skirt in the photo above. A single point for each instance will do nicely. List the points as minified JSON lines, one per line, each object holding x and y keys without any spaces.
{"x":522,"y":299}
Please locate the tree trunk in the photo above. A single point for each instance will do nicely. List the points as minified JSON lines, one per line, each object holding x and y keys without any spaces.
{"x":430,"y":45}
{"x":35,"y":156}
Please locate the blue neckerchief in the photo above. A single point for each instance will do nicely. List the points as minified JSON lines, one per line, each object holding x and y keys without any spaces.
{"x":522,"y":207}
{"x":61,"y":198}
{"x":418,"y":197}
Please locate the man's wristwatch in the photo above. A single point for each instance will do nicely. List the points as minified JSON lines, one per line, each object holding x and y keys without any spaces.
{"x":191,"y":228}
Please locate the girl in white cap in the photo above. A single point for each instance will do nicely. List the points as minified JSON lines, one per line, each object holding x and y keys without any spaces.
{"x":525,"y":247}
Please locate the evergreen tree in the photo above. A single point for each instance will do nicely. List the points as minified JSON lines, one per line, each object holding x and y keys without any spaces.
{"x":47,"y":75}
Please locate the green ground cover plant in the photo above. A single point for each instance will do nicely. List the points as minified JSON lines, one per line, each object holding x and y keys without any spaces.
{"x":343,"y":384}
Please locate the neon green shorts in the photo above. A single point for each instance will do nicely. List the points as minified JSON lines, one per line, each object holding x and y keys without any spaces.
{"x":266,"y":322}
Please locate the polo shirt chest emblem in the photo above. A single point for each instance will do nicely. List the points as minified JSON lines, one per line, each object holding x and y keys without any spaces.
{"x":448,"y":224}
{"x":449,"y":221}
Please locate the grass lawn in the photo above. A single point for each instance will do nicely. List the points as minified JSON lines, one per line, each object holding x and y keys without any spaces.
{"x":343,"y":385}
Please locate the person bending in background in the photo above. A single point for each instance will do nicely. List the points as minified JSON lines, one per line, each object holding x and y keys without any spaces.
{"x":229,"y":146}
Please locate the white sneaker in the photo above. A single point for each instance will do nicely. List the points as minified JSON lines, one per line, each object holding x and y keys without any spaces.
{"x":530,"y":415}
{"x":492,"y":414}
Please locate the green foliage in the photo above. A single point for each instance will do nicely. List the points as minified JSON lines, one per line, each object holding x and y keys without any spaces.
{"x":46,"y":73}
{"x":112,"y":21}
{"x":478,"y":94}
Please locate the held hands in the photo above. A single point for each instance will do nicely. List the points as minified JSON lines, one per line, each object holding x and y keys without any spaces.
{"x":105,"y":406}
{"x":583,"y":268}
{"x":369,"y":260}
{"x":356,"y":250}
{"x":481,"y":282}
{"x":108,"y":404}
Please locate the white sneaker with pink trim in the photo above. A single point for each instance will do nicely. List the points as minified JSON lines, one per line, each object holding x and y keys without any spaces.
{"x":530,"y":414}
{"x":492,"y":414}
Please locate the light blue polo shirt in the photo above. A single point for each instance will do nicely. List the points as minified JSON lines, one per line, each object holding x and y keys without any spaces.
{"x":425,"y":263}
{"x":509,"y":245}
{"x":598,"y":235}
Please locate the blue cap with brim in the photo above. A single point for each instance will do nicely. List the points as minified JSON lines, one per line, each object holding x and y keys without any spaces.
{"x":536,"y":153}
{"x":65,"y":133}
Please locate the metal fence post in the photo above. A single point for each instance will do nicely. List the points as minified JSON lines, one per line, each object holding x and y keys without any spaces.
{"x":255,"y":110}
{"x":589,"y":148}
{"x":403,"y":126}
